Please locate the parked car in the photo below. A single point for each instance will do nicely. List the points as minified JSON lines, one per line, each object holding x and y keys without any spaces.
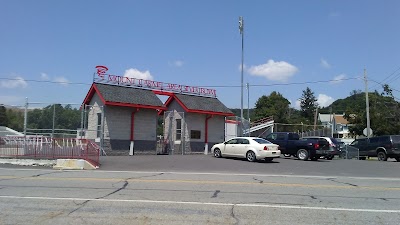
{"x":251,"y":148}
{"x":383,"y":147}
{"x":290,"y":144}
{"x":333,"y":146}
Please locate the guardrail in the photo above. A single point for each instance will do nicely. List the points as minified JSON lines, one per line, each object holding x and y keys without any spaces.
{"x":41,"y":147}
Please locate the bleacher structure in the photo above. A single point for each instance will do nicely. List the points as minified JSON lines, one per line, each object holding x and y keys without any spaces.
{"x":234,"y":128}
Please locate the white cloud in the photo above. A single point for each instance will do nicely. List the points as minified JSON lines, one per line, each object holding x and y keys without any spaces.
{"x":134,"y":73}
{"x":177,"y":63}
{"x":61,"y":80}
{"x":297,"y":104}
{"x":17,"y":82}
{"x":339,"y":78}
{"x":324,"y":100}
{"x":44,"y":76}
{"x":277,"y":71}
{"x":325,"y":64}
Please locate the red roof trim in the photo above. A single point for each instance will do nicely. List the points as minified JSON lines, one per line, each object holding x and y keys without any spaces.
{"x":135,"y":105}
{"x":93,"y":89}
{"x":89,"y":95}
{"x":173,"y":96}
{"x":161,"y":92}
{"x":181,"y":104}
{"x":169,"y":100}
{"x":99,"y":94}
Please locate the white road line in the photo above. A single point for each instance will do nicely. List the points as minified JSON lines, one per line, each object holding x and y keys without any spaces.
{"x":207,"y":203}
{"x":216,"y":174}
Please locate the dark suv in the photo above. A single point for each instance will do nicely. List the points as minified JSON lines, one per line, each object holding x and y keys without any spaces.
{"x":383,"y":147}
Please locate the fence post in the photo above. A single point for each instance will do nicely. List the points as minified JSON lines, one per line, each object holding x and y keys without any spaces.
{"x":87,"y":151}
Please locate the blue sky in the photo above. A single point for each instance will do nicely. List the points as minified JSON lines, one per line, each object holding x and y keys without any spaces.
{"x":198,"y":43}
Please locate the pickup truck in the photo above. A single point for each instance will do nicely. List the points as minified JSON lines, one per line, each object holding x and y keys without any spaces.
{"x":290,"y":144}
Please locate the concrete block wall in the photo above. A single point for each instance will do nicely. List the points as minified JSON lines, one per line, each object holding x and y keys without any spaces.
{"x":95,"y":107}
{"x":195,"y":121}
{"x":117,"y":128}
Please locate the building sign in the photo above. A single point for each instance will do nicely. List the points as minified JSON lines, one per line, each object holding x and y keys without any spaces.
{"x":104,"y":77}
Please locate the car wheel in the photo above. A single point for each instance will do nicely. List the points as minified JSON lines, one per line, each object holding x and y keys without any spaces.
{"x":397,"y":159}
{"x":330,"y":157}
{"x":302,"y":154}
{"x":286,"y":155}
{"x":217,"y":153}
{"x":343,"y":155}
{"x":251,"y":156}
{"x":269,"y":159}
{"x":382,"y":156}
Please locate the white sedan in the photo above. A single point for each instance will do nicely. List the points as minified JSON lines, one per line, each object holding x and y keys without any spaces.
{"x":251,"y":148}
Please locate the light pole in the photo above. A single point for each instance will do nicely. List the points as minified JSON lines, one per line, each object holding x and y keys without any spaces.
{"x":241,"y":29}
{"x":248,"y":105}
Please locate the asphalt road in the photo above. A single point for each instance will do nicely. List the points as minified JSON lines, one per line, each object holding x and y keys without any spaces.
{"x":203,"y":190}
{"x":286,"y":166}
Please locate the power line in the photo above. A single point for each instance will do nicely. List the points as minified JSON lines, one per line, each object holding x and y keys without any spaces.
{"x":388,"y":76}
{"x":221,"y":86}
{"x":44,"y":81}
{"x":383,"y":84}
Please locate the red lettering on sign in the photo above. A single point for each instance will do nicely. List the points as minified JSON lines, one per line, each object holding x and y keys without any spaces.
{"x":101,"y":72}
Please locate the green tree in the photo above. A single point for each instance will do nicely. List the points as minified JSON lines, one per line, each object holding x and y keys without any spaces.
{"x":3,"y":116}
{"x":308,"y":104}
{"x":273,"y":105}
{"x":384,"y":113}
{"x":15,"y":119}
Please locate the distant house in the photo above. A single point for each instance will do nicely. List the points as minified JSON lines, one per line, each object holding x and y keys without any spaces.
{"x":338,"y":124}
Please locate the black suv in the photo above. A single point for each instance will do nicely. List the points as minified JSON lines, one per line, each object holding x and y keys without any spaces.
{"x":383,"y":147}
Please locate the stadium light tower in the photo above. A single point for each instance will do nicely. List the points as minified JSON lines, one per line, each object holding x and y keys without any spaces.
{"x":241,"y":29}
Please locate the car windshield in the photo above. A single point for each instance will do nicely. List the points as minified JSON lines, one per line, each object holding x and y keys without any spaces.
{"x":261,"y":141}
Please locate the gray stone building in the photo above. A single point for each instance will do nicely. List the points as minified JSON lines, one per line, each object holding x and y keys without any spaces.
{"x":126,"y":117}
{"x":192,"y":124}
{"x":123,"y":120}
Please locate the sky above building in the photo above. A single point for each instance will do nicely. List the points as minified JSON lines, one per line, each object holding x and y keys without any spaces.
{"x":49,"y":49}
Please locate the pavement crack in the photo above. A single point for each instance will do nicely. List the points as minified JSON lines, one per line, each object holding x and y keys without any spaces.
{"x":233,"y":214}
{"x":260,"y":181}
{"x":216,"y":194}
{"x":334,"y":180}
{"x":154,"y":175}
{"x":80,"y":206}
{"x":119,"y":189}
{"x":38,"y":175}
{"x":384,"y":199}
{"x":113,"y":192}
{"x":313,"y":197}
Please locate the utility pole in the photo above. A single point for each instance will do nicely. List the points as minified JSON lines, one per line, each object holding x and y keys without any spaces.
{"x":367,"y":102}
{"x":248,"y":106}
{"x":315,"y":118}
{"x":241,"y":29}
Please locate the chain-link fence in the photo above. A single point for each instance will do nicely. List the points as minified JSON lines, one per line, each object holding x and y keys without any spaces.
{"x":54,"y":120}
{"x":304,"y":130}
{"x":350,"y":152}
